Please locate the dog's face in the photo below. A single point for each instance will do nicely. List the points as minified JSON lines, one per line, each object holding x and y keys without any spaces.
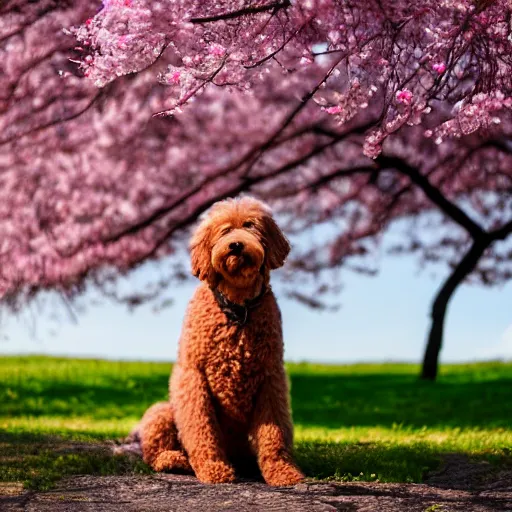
{"x":237,"y":242}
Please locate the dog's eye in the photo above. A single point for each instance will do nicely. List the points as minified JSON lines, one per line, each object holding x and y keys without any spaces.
{"x":248,"y":224}
{"x":226,"y":230}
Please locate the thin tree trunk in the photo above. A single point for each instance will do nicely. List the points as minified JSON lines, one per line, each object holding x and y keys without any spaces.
{"x":440,"y":305}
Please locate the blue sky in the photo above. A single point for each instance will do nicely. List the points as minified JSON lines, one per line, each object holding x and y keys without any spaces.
{"x":381,"y":318}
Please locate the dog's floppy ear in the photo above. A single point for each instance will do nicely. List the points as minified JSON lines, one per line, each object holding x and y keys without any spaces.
{"x":200,"y":253}
{"x":277,"y":244}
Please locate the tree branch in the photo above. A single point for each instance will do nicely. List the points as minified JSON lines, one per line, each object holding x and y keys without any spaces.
{"x":55,"y":121}
{"x":326,"y":179}
{"x":246,"y":184}
{"x":503,"y":232}
{"x":275,"y":52}
{"x":248,"y":160}
{"x":433,"y":193}
{"x":275,"y":6}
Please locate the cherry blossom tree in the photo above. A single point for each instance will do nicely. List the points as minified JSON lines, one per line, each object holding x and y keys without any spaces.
{"x":347,"y":113}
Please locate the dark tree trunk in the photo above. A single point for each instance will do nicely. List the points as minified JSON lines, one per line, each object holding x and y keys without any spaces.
{"x":440,"y":305}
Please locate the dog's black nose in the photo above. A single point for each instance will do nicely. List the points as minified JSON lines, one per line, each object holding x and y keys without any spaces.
{"x":236,"y":247}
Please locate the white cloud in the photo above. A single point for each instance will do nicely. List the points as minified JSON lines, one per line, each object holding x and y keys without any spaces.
{"x":501,"y":349}
{"x":506,"y":340}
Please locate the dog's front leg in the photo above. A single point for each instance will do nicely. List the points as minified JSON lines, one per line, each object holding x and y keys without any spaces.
{"x":271,"y":433}
{"x":198,"y":427}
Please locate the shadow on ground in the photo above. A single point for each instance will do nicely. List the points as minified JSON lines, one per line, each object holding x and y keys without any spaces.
{"x":183,"y":493}
{"x":107,"y":399}
{"x":335,"y":401}
{"x":328,"y":398}
{"x":323,"y":400}
{"x":41,"y":460}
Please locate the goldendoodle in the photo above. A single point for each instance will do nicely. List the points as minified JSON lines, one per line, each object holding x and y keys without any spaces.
{"x":229,"y":405}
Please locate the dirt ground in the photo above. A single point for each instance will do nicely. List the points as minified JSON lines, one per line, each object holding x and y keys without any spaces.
{"x":459,"y":486}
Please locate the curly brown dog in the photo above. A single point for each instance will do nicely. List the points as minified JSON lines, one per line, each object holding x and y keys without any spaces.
{"x":228,"y":403}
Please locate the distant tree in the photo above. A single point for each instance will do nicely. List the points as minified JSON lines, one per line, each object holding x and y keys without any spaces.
{"x":352,"y":113}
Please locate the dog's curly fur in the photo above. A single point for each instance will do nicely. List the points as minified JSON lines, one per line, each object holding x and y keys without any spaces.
{"x":229,"y":405}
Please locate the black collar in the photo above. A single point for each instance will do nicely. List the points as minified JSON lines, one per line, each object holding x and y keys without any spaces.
{"x":238,"y":313}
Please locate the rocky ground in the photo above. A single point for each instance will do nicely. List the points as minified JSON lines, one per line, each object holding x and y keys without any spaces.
{"x":459,"y":486}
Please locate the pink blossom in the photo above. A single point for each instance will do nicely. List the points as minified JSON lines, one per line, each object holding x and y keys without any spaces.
{"x":334,"y":110}
{"x":91,"y":181}
{"x":216,"y":50}
{"x":404,"y":96}
{"x":173,"y":77}
{"x":114,"y":3}
{"x":439,"y":67}
{"x":372,"y":146}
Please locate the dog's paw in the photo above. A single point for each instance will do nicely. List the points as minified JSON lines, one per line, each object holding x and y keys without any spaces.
{"x":282,"y":473}
{"x":171,"y":460}
{"x":214,"y":472}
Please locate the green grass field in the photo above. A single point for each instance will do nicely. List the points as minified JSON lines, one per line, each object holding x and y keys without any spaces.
{"x":354,"y":422}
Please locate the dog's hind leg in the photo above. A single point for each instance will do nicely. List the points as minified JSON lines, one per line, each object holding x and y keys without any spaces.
{"x":159,"y":440}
